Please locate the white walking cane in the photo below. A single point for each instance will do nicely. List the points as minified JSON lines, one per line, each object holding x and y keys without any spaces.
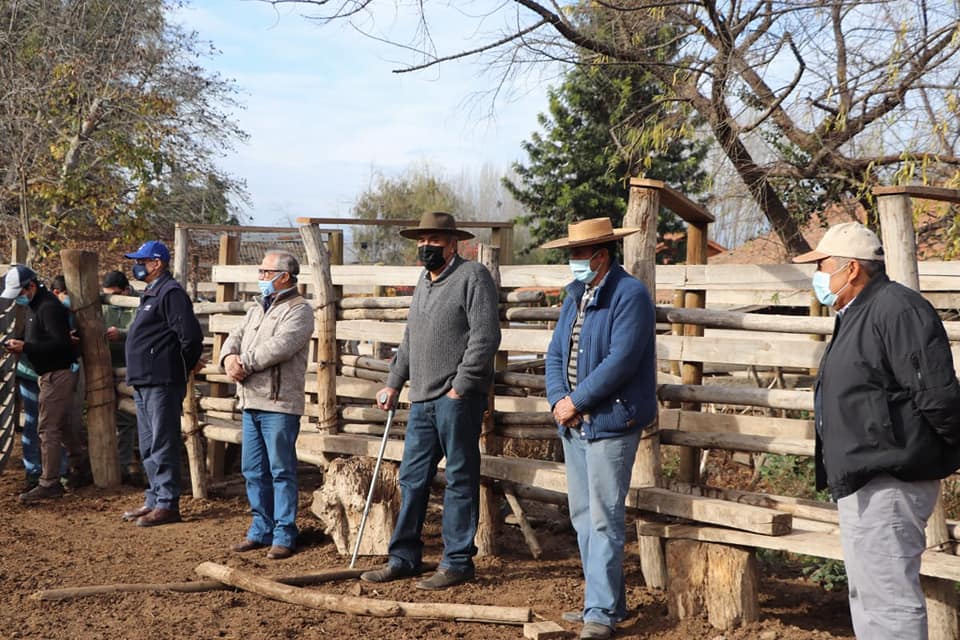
{"x":383,"y":397}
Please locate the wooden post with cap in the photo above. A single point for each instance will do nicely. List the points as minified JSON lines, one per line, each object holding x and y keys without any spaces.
{"x":895,"y":207}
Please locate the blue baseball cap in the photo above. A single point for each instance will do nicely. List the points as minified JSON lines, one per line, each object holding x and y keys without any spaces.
{"x":150,"y":250}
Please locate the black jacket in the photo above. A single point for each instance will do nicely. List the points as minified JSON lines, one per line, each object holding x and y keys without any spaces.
{"x":887,"y":396}
{"x":46,"y":334}
{"x":164,"y":341}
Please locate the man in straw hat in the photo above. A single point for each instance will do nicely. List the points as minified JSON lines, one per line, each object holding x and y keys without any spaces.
{"x":601,"y":385}
{"x":888,"y":427}
{"x":447,"y":352}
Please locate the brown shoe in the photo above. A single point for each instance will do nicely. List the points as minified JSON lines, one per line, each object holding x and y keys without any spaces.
{"x":247,"y":545}
{"x":130,"y":516}
{"x":279,"y":553}
{"x":157,"y":517}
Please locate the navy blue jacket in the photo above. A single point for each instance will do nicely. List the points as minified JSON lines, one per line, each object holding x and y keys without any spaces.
{"x":46,"y":336}
{"x":616,"y":368}
{"x":164,"y":341}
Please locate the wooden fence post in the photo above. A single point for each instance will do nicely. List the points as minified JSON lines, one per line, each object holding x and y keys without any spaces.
{"x":639,"y":251}
{"x":325,"y":313}
{"x":488,"y":528}
{"x":80,"y":270}
{"x":229,"y":254}
{"x":900,"y":254}
{"x":692,"y":372}
{"x":181,"y":251}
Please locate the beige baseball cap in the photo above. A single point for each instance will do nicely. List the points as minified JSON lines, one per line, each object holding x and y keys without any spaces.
{"x":846,"y":240}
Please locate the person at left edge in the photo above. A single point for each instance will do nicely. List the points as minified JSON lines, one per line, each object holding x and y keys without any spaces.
{"x":46,"y":341}
{"x":164,"y":344}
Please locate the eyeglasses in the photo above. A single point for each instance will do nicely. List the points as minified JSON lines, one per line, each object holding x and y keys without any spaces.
{"x":264,"y":272}
{"x":146,"y":260}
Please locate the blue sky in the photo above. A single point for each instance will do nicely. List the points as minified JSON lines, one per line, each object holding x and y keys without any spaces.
{"x":324,"y":111}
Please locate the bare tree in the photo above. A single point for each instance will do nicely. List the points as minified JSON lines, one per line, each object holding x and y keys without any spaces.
{"x":106,"y":118}
{"x":809,"y":100}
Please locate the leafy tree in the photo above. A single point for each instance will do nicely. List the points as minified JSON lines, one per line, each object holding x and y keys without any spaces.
{"x":852,"y":94}
{"x":403,"y":198}
{"x":580,"y":166}
{"x":106,"y":119}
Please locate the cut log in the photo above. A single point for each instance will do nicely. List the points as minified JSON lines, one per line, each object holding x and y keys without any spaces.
{"x":687,"y":568}
{"x":340,"y":501}
{"x":731,"y":595}
{"x":547,"y":630}
{"x":363,"y":606}
{"x":68,"y":593}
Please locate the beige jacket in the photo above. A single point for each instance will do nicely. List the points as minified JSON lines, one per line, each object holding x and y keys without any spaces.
{"x":273,"y":347}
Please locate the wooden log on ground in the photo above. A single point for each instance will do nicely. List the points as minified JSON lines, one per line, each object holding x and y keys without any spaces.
{"x":545,"y":630}
{"x":529,"y":535}
{"x":687,"y":566}
{"x":339,"y":504}
{"x":80,"y":271}
{"x":363,"y":606}
{"x":197,"y":586}
{"x":191,"y":431}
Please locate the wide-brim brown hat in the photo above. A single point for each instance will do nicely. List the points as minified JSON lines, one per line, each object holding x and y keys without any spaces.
{"x":436,"y":222}
{"x":588,"y":232}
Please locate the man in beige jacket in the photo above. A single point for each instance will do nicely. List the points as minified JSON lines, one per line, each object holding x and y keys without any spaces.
{"x":267,"y":357}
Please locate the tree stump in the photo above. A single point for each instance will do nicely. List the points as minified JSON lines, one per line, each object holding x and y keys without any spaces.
{"x":339,"y":504}
{"x":719,"y":580}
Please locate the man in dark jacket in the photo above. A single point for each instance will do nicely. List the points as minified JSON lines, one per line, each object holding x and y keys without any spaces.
{"x":888,"y":427}
{"x":46,"y":341}
{"x":601,"y":385}
{"x":163,"y":346}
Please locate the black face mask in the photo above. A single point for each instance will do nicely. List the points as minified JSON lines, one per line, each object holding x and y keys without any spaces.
{"x":431,"y":256}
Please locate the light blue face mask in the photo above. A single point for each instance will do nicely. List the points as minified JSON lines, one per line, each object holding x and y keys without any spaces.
{"x":266,"y":286}
{"x":581,"y":269}
{"x":66,"y":301}
{"x":821,"y":286}
{"x":22,"y":300}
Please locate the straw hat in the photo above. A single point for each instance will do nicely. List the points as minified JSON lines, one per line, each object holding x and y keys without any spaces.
{"x":436,"y":222}
{"x":588,"y":232}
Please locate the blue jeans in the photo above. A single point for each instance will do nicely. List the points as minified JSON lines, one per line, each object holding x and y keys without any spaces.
{"x":158,"y":427}
{"x":438,"y":428}
{"x":598,"y":477}
{"x":30,"y":438}
{"x":269,"y":464}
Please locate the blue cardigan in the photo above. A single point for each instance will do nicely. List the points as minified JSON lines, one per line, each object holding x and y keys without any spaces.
{"x":616,"y":367}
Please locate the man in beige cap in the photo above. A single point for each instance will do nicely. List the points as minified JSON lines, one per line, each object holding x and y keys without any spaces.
{"x":888,"y":427}
{"x":601,"y":385}
{"x":447,"y":352}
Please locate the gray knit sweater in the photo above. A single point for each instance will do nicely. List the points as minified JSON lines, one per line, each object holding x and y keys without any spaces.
{"x":452,"y":334}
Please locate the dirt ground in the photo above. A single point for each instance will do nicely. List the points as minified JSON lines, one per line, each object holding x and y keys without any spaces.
{"x":81,"y":540}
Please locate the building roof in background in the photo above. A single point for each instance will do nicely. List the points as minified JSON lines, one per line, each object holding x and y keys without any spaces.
{"x":931,"y":222}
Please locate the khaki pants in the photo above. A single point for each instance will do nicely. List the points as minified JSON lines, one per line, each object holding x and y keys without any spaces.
{"x":56,"y":405}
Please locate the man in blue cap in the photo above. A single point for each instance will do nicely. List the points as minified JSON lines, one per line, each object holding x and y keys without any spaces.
{"x":164,"y":344}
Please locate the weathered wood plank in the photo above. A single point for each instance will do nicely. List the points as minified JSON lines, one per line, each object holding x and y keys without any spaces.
{"x":796,"y":429}
{"x":821,"y":545}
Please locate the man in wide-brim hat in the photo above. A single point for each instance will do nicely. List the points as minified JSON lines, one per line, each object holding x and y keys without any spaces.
{"x":601,"y":385}
{"x":452,"y":336}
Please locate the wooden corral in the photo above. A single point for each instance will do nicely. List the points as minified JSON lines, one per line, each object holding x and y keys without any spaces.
{"x":729,"y":379}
